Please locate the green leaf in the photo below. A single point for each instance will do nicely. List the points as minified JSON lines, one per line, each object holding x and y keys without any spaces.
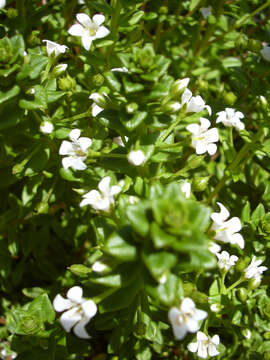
{"x":14,"y":91}
{"x":43,"y":306}
{"x":117,"y":247}
{"x":194,"y":4}
{"x":159,"y":263}
{"x":137,"y":216}
{"x":231,"y":62}
{"x":80,"y":270}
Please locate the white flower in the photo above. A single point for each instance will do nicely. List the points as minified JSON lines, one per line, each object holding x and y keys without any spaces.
{"x":46,"y":127}
{"x":197,"y":104}
{"x":118,"y":140}
{"x":206,"y":11}
{"x":202,"y":139}
{"x":225,"y":261}
{"x":185,"y":318}
{"x":215,"y":307}
{"x":76,"y":150}
{"x":136,"y":157}
{"x":99,"y":266}
{"x":254,"y":270}
{"x":54,"y":48}
{"x":80,"y":311}
{"x":96,"y":110}
{"x":230,"y":118}
{"x":204,"y":345}
{"x":99,"y":99}
{"x":266,"y":53}
{"x":214,"y":247}
{"x":186,"y":189}
{"x":88,"y":29}
{"x":2,"y":4}
{"x":227,"y":231}
{"x":102,"y":199}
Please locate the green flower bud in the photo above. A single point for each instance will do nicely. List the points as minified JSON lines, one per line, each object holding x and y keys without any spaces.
{"x":67,"y":83}
{"x":229,"y":98}
{"x":132,"y":108}
{"x":254,"y":283}
{"x":242,"y":294}
{"x":200,"y":183}
{"x":179,"y":86}
{"x":98,"y":80}
{"x":34,"y":38}
{"x":59,"y":69}
{"x":163,"y":10}
{"x":242,"y":42}
{"x":171,"y":107}
{"x":254,"y":45}
{"x":6,"y":52}
{"x":12,"y":13}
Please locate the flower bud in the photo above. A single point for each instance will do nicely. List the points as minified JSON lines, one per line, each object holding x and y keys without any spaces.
{"x":263,"y":102}
{"x":171,"y":107}
{"x":59,"y":69}
{"x":136,"y":157}
{"x":242,"y":294}
{"x":67,"y":83}
{"x":12,"y":13}
{"x":254,"y":45}
{"x":98,"y":80}
{"x":254,"y":283}
{"x":132,"y":108}
{"x":246,"y":333}
{"x":99,"y":99}
{"x":179,"y":86}
{"x":229,"y":98}
{"x":46,"y":127}
{"x":200,"y":183}
{"x":242,"y":42}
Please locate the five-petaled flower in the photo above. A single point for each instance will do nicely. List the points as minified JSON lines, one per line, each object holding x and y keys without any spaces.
{"x":225,"y":261}
{"x":205,"y":345}
{"x":79,"y":311}
{"x":254,"y":270}
{"x":88,"y":29}
{"x":102,"y":199}
{"x":230,"y":118}
{"x":76,"y":150}
{"x":203,"y":139}
{"x":194,"y":103}
{"x":227,"y":230}
{"x":54,"y":49}
{"x":185,"y":318}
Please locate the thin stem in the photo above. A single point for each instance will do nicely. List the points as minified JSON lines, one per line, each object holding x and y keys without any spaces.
{"x":239,"y":281}
{"x":97,"y":299}
{"x":171,"y":128}
{"x":77,"y":117}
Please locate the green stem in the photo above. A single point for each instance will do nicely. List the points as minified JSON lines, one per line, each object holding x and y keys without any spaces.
{"x":78,"y":116}
{"x":239,"y":281}
{"x":104,"y":155}
{"x":47,"y":70}
{"x":171,"y":128}
{"x":222,"y":282}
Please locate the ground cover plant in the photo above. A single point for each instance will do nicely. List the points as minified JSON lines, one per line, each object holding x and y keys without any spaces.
{"x":135,"y":188}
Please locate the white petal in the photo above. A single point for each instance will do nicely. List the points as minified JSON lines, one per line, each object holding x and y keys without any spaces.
{"x":98,"y":19}
{"x":60,"y":304}
{"x":201,"y":147}
{"x":84,"y":20}
{"x":69,"y":318}
{"x":76,"y":30}
{"x":208,"y":108}
{"x":86,"y":41}
{"x":200,"y":315}
{"x":75,"y":294}
{"x":96,"y":110}
{"x":224,"y":213}
{"x":201,"y":336}
{"x":187,"y":304}
{"x":115,"y":189}
{"x":193,"y":347}
{"x":186,"y":96}
{"x":102,"y":32}
{"x":234,"y":224}
{"x":89,"y":309}
{"x":85,"y":143}
{"x":205,"y":123}
{"x":212,"y":350}
{"x":104,"y":185}
{"x":202,"y":351}
{"x":74,"y":134}
{"x":215,"y":339}
{"x":79,"y":329}
{"x":211,"y":149}
{"x":67,"y":162}
{"x":66,"y":148}
{"x":173,"y":314}
{"x":193,"y":128}
{"x":78,"y":164}
{"x":212,"y":135}
{"x":237,"y":239}
{"x":192,"y":325}
{"x":179,"y":331}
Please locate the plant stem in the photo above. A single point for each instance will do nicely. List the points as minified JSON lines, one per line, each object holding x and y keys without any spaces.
{"x":239,"y":281}
{"x":77,"y":117}
{"x":171,"y":128}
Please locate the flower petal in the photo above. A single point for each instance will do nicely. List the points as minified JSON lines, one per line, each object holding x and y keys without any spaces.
{"x":69,"y":318}
{"x":193,"y":347}
{"x":98,"y":19}
{"x":212,"y":350}
{"x":205,"y":124}
{"x":104,"y":185}
{"x":68,"y":162}
{"x":201,"y":336}
{"x":76,"y":30}
{"x":75,"y":294}
{"x":66,"y":148}
{"x":102,"y":31}
{"x":79,"y":329}
{"x":173,"y":314}
{"x":215,"y":339}
{"x":84,"y":19}
{"x":89,"y":309}
{"x":211,"y":149}
{"x":84,"y":143}
{"x":200,"y":315}
{"x":86,"y":41}
{"x":187,"y":304}
{"x":237,"y":239}
{"x":60,"y":304}
{"x":179,"y":331}
{"x":186,"y":96}
{"x":234,"y":224}
{"x":78,"y":164}
{"x":192,"y":325}
{"x":74,"y":134}
{"x":224,"y":213}
{"x":193,"y":128}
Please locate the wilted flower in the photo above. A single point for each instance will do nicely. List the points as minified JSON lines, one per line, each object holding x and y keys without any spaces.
{"x":136,"y":157}
{"x":266,"y":53}
{"x":202,"y":139}
{"x":230,"y":118}
{"x":88,"y":29}
{"x":185,"y":318}
{"x":227,"y":231}
{"x":76,"y":150}
{"x":46,"y":127}
{"x":102,"y":199}
{"x":79,"y":311}
{"x":206,"y":11}
{"x":205,"y":345}
{"x":254,"y":270}
{"x":54,"y":49}
{"x":225,"y":261}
